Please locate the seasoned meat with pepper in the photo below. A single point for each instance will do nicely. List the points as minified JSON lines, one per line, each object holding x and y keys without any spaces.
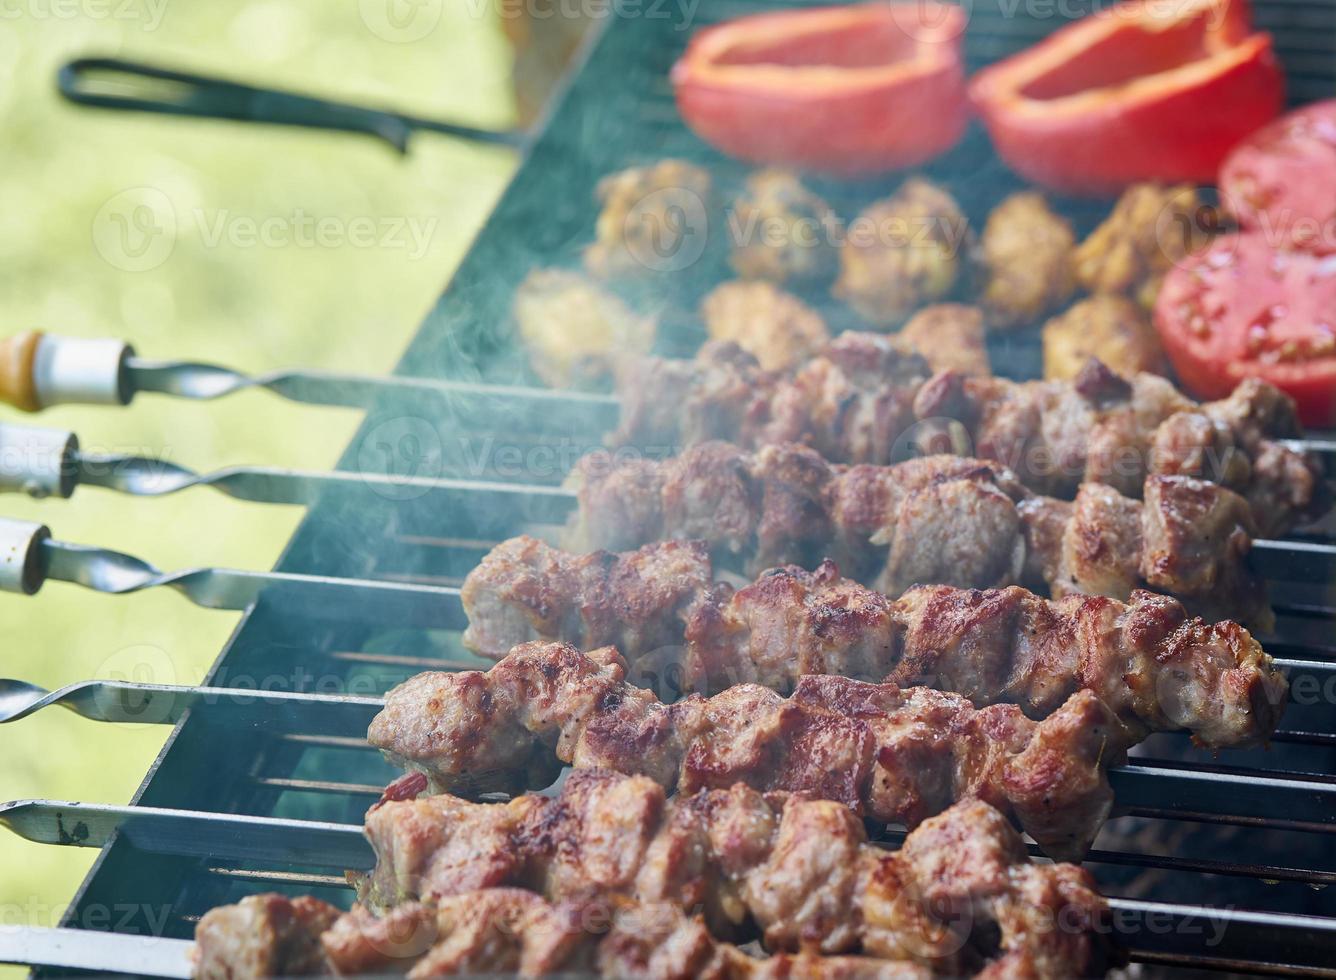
{"x":777,"y":328}
{"x":906,"y":251}
{"x":783,"y":232}
{"x":649,"y":214}
{"x":1150,"y":228}
{"x":574,"y":330}
{"x":1106,"y":326}
{"x":1026,"y":251}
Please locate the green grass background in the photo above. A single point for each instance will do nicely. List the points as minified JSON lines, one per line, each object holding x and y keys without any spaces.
{"x":253,"y":306}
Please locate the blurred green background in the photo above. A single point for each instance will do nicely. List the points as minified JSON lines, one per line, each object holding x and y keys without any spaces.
{"x":223,"y":265}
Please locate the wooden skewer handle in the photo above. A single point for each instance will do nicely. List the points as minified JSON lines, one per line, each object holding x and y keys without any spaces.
{"x":18,"y":356}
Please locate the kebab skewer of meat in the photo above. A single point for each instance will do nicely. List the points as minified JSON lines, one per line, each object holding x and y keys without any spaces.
{"x":866,"y":399}
{"x":798,"y":872}
{"x":938,"y":519}
{"x":661,"y":607}
{"x":504,"y":932}
{"x":893,"y":755}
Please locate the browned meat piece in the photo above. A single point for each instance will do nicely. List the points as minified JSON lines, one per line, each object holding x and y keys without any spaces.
{"x":1103,"y":428}
{"x":906,"y":251}
{"x":851,"y":402}
{"x":650,"y":216}
{"x":1106,"y":326}
{"x":783,"y":232}
{"x":950,"y":337}
{"x":1003,"y":645}
{"x":894,"y":755}
{"x":777,"y":328}
{"x":1026,"y":250}
{"x":526,"y":590}
{"x":574,"y":330}
{"x":263,"y":936}
{"x":1150,"y":228}
{"x":796,"y":870}
{"x":946,"y":520}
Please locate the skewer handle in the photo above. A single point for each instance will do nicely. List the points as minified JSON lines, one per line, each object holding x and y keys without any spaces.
{"x":38,"y":461}
{"x":38,"y":370}
{"x":22,"y":564}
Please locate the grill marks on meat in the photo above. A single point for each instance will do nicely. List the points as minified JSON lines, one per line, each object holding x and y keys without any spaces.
{"x":1157,"y":668}
{"x":893,"y":755}
{"x":945,"y":520}
{"x":509,"y":931}
{"x":1102,"y":428}
{"x":868,"y":399}
{"x":797,"y":871}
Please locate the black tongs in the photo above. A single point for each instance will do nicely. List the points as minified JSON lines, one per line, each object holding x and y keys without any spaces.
{"x":113,"y":83}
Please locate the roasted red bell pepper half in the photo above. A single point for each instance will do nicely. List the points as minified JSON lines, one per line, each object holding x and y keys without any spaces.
{"x":841,"y":90}
{"x":1143,"y":90}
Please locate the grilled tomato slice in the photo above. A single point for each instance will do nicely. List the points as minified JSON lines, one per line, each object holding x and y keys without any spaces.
{"x":1243,"y":308}
{"x":842,"y":90}
{"x":1282,"y":180}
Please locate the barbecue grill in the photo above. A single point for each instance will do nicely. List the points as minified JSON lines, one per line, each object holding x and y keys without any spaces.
{"x":1220,"y":863}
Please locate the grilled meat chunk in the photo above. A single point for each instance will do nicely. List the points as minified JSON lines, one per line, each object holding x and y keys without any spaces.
{"x":1104,"y":428}
{"x":1026,"y":250}
{"x":782,"y":232}
{"x":946,"y":520}
{"x":797,"y":871}
{"x":1106,"y":326}
{"x":644,"y":207}
{"x":777,"y":328}
{"x":263,"y":936}
{"x":870,"y":399}
{"x":998,"y":645}
{"x":906,"y":251}
{"x":891,"y":754}
{"x":574,"y":330}
{"x":852,"y":402}
{"x":525,"y":590}
{"x":509,"y":931}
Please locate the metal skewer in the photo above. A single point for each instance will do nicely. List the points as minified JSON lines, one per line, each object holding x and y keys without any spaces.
{"x":1252,"y":797}
{"x":39,"y":370}
{"x":29,"y":557}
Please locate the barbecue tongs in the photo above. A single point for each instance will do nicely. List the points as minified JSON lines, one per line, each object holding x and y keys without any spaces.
{"x":114,"y":83}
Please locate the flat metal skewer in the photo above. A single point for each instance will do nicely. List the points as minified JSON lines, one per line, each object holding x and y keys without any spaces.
{"x":29,"y":557}
{"x":1250,"y":797}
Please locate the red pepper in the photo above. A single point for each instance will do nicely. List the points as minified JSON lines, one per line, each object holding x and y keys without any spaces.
{"x":1143,"y":90}
{"x":842,"y":90}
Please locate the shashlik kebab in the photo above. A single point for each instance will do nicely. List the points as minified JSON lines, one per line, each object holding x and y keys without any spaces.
{"x":1158,"y":669}
{"x":503,"y":932}
{"x":867,"y":399}
{"x":893,"y":755}
{"x":947,"y":520}
{"x":796,"y":872}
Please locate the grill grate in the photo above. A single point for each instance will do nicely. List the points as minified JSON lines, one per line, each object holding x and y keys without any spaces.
{"x":618,"y":112}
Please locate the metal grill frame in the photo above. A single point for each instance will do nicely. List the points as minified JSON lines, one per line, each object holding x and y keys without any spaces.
{"x":616,"y":111}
